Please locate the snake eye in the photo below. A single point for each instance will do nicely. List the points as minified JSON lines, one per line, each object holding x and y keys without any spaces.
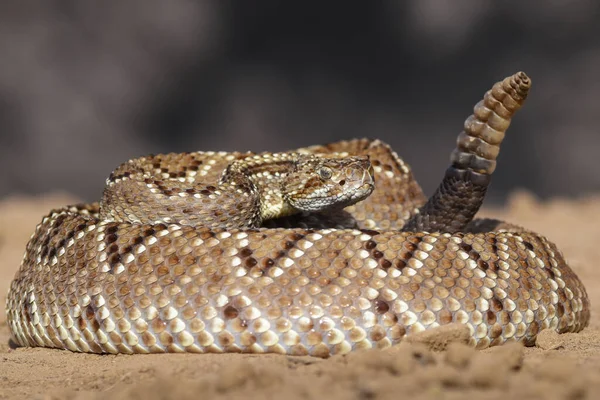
{"x":325,"y":173}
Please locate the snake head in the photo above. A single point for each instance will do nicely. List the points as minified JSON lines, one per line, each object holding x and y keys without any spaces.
{"x":326,"y":182}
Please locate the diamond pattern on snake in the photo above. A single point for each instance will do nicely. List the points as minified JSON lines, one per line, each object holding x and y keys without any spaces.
{"x":318,"y":251}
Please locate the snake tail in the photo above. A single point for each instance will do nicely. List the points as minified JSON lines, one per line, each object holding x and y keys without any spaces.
{"x":462,"y":190}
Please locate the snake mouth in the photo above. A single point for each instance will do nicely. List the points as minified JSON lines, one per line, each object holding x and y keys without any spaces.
{"x":360,"y":193}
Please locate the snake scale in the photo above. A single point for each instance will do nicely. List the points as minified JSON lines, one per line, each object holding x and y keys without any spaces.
{"x":319,"y":251}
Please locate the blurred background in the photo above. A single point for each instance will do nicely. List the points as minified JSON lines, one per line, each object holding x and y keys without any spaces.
{"x":85,"y":86}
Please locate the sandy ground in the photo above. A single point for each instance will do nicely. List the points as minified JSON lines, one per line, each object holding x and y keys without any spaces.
{"x":559,"y":367}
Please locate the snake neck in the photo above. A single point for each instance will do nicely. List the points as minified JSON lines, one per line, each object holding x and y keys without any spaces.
{"x":275,"y":207}
{"x":264,"y":177}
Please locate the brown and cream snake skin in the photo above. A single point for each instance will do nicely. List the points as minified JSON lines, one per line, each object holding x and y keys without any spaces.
{"x":172,"y":258}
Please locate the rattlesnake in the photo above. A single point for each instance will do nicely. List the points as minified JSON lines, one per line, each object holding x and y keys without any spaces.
{"x":172,"y":259}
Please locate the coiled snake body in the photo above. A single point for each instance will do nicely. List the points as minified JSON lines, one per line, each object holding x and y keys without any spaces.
{"x":236,"y":252}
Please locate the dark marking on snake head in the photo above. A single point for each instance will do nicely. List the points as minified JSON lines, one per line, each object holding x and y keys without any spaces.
{"x":377,"y":254}
{"x":550,"y":273}
{"x":490,"y":317}
{"x":370,"y":244}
